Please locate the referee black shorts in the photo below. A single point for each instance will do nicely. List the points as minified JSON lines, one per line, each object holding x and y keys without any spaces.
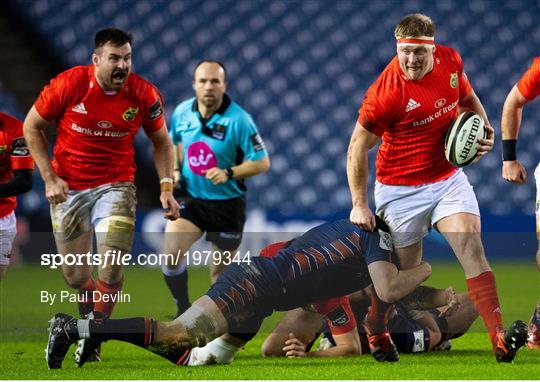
{"x":222,"y":220}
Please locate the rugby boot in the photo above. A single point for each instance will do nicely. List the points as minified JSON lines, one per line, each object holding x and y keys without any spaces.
{"x":380,"y":343}
{"x":509,"y":342}
{"x":61,"y":336}
{"x":88,"y":349}
{"x":382,"y":347}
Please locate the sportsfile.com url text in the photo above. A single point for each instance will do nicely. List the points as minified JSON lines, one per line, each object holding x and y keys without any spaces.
{"x":117,"y":257}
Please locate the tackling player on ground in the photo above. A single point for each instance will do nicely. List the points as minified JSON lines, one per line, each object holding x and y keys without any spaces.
{"x":98,"y":109}
{"x":411,"y":106}
{"x":328,"y":261}
{"x":525,"y":91}
{"x":16,"y":168}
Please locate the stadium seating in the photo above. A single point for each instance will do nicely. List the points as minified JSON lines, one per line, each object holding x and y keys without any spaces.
{"x":301,"y":69}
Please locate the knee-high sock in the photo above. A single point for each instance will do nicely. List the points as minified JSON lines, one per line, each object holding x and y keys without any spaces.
{"x":140,"y":331}
{"x":483,"y":293}
{"x":86,"y":302}
{"x":110,"y":289}
{"x":376,"y":320}
{"x":177,"y":282}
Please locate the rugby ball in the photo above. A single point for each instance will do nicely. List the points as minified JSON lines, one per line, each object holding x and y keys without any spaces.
{"x":461,"y":143}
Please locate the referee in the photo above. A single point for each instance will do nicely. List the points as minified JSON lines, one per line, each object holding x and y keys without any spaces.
{"x":218,"y":146}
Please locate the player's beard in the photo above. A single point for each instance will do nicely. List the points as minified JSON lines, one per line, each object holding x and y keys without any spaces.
{"x":118,"y":79}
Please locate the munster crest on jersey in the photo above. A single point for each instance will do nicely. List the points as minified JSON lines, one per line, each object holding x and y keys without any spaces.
{"x":3,"y":149}
{"x":130,"y":113}
{"x":453,"y":80}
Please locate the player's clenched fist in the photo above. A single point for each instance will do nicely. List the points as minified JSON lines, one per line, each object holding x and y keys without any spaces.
{"x":294,"y":348}
{"x":513,"y":171}
{"x":56,"y":190}
{"x":170,"y":205}
{"x":363,"y":217}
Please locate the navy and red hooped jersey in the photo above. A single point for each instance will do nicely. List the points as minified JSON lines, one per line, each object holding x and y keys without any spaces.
{"x":96,"y":129}
{"x":14,"y":155}
{"x":327,"y":261}
{"x":412,"y":117}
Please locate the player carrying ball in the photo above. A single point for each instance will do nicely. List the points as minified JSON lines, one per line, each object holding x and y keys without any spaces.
{"x":98,"y":109}
{"x":411,"y":106}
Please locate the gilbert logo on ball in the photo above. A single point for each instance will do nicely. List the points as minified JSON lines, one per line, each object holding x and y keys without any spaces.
{"x":461,"y":144}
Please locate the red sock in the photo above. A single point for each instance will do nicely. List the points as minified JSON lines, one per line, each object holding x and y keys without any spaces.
{"x":86,"y":304}
{"x":483,"y":293}
{"x":106,"y":307}
{"x":378,"y":312}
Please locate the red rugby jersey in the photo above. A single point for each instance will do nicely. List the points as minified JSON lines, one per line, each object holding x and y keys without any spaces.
{"x":529,"y":83}
{"x":14,"y":155}
{"x":338,"y":314}
{"x":337,"y":310}
{"x":413,"y":117}
{"x":96,"y":130}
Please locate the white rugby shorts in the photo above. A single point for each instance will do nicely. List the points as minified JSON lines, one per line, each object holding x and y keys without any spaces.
{"x":8,"y":231}
{"x":84,"y":209}
{"x":537,"y":178}
{"x":410,"y":211}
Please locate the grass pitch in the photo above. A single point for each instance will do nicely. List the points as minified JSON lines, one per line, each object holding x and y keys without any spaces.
{"x":23,"y":335}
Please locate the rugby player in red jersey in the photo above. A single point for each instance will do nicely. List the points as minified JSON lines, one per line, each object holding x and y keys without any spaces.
{"x":411,"y":106}
{"x":16,"y":167}
{"x":98,"y":109}
{"x":525,"y":91}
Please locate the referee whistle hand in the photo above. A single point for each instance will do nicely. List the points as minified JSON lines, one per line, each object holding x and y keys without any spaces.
{"x":513,"y":171}
{"x":56,"y":190}
{"x":363,"y":217}
{"x":216,"y":175}
{"x":170,"y":205}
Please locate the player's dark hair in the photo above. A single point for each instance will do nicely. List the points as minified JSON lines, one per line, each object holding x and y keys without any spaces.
{"x":116,"y":37}
{"x":221,"y":64}
{"x":415,"y":25}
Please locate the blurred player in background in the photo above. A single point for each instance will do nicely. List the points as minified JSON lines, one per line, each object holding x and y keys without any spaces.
{"x":218,"y":148}
{"x":526,"y":90}
{"x":329,"y":260}
{"x":16,"y":168}
{"x":98,"y":109}
{"x":411,"y":106}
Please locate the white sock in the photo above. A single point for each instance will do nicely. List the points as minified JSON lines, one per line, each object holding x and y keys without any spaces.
{"x":217,"y":351}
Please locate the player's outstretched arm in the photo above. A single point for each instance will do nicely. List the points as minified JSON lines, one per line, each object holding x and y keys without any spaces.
{"x":392,"y":284}
{"x":357,"y":175}
{"x":164,"y":159}
{"x":512,"y":170}
{"x":347,"y":344}
{"x":34,"y":133}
